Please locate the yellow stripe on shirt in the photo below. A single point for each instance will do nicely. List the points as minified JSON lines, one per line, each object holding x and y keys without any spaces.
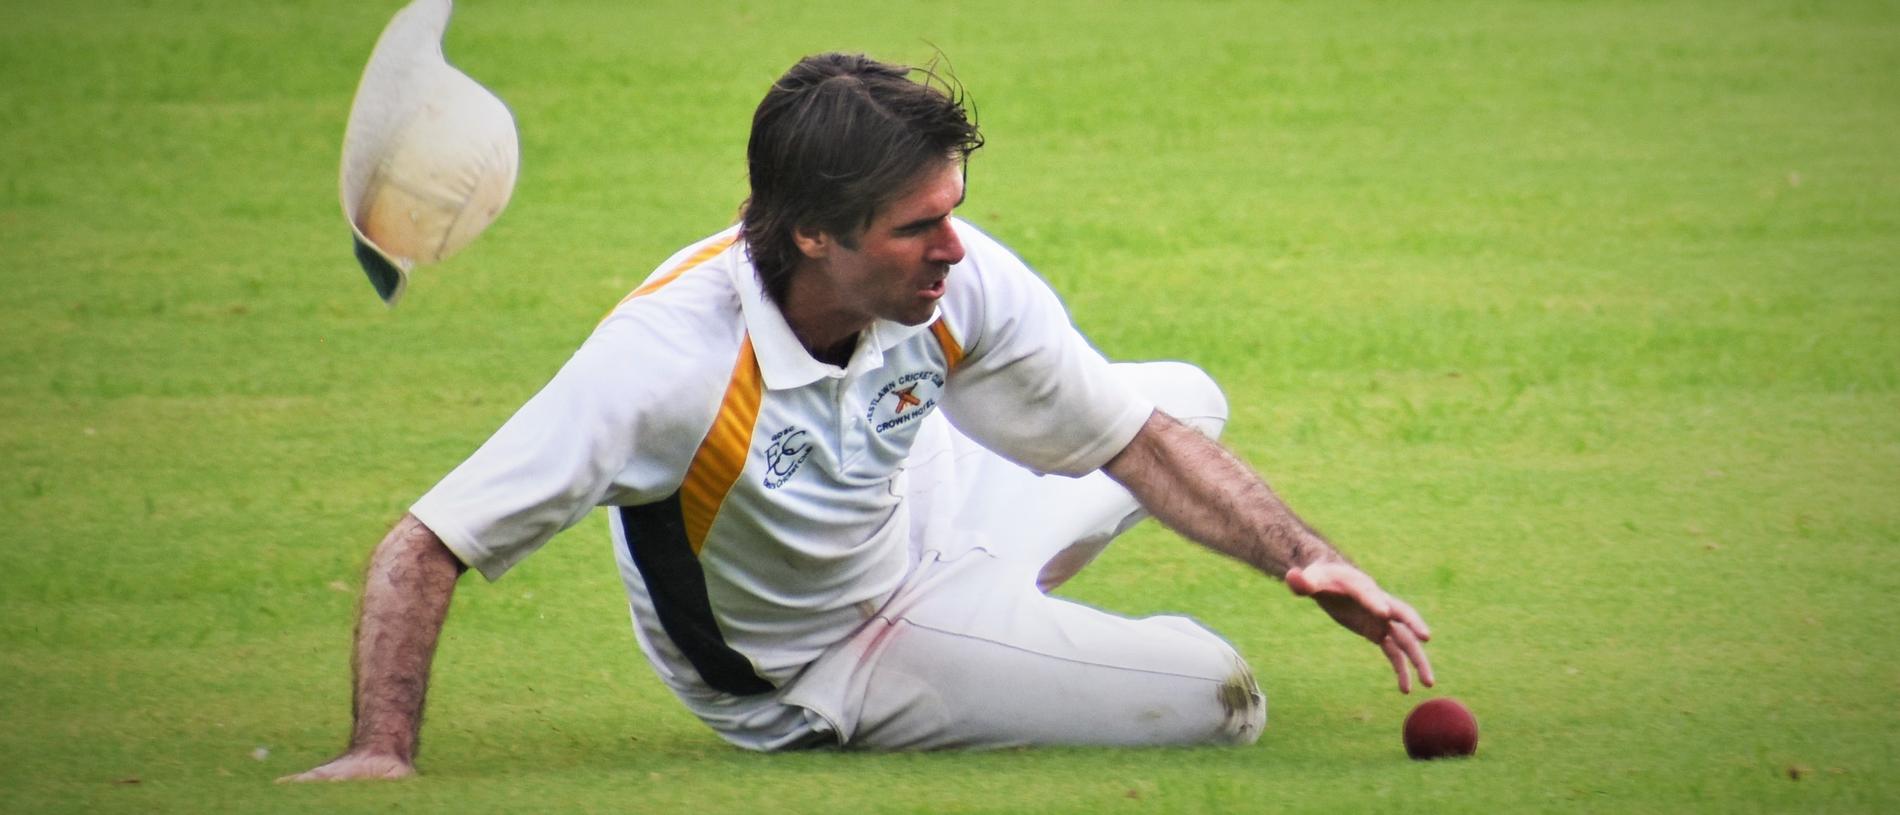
{"x":952,"y":352}
{"x":722,"y":455}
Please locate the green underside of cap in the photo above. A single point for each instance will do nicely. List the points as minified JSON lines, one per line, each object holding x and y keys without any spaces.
{"x":382,"y":274}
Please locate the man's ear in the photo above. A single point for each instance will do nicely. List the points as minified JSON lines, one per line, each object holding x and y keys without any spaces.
{"x":812,"y":242}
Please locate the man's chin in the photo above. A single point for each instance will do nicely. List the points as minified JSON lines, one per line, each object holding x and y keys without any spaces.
{"x":917,"y":314}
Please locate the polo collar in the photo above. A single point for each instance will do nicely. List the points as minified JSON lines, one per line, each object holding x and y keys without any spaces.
{"x":783,"y":361}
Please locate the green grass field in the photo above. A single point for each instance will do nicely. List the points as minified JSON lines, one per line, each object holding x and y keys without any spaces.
{"x":1576,"y":323}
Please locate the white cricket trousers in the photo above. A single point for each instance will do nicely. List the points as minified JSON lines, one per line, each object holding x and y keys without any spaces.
{"x":971,"y":653}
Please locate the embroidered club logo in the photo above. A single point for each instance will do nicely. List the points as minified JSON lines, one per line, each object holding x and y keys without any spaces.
{"x":909,"y":398}
{"x":790,"y":447}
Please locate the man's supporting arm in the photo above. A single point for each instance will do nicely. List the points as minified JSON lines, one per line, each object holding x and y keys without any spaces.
{"x":406,"y":595}
{"x":1200,"y":490}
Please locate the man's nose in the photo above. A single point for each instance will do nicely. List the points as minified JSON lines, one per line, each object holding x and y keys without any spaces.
{"x":945,"y":246}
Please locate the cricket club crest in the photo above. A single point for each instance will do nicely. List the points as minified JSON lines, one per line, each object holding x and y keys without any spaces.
{"x":909,"y":398}
{"x":790,"y":447}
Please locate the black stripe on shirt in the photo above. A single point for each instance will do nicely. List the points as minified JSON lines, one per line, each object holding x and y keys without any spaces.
{"x":676,"y":583}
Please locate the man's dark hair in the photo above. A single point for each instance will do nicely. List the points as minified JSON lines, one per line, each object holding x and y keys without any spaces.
{"x":837,"y":138}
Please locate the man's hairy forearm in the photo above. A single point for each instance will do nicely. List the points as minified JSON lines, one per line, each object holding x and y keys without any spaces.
{"x":406,"y":595}
{"x":1198,"y":489}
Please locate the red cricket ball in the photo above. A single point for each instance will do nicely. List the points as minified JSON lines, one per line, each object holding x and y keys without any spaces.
{"x":1440,"y":728}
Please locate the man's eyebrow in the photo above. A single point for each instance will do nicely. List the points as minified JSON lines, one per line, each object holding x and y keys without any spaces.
{"x":923,"y":222}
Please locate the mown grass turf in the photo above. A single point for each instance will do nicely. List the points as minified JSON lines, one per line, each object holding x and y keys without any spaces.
{"x":1574,"y":322}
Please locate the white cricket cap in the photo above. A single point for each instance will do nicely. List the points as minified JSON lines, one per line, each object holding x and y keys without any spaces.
{"x":429,"y":157}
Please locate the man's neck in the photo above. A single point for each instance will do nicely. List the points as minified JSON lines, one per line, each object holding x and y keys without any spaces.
{"x":830,"y":334}
{"x":838,"y":353}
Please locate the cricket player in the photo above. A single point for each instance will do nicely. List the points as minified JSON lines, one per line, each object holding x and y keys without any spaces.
{"x":846,"y":447}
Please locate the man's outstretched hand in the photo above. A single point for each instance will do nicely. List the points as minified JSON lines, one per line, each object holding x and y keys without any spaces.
{"x":354,"y":766}
{"x":1357,"y":602}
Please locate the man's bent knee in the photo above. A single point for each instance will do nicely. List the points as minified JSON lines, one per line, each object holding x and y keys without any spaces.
{"x":1244,"y":705}
{"x":1239,"y":708}
{"x":1180,"y":390}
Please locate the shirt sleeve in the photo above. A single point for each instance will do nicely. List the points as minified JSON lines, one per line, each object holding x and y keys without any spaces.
{"x":566,"y":450}
{"x":1030,"y":387}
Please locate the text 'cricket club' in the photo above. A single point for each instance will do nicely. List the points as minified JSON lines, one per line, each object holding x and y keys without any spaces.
{"x":911,"y":397}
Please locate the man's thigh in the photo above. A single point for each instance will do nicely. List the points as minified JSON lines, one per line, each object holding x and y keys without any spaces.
{"x":988,"y":661}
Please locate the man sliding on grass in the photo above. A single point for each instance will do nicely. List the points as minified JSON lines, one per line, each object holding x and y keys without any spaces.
{"x":847,"y":446}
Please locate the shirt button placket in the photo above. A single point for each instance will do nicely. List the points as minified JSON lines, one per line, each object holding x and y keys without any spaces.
{"x":851,"y":424}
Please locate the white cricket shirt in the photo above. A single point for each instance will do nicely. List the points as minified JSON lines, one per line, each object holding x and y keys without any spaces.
{"x":759,"y":510}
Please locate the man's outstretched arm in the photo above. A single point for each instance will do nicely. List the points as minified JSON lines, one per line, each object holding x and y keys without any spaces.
{"x":406,"y":595}
{"x":1200,"y":490}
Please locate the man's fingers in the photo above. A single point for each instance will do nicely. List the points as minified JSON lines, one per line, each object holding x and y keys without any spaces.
{"x":1402,"y":612}
{"x":1392,"y":623}
{"x":1397,"y":658}
{"x":1361,"y":588}
{"x":323,"y":773}
{"x":336,"y":770}
{"x":350,"y":769}
{"x":1408,"y":643}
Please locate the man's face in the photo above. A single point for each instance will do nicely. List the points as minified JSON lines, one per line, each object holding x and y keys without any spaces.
{"x":897,"y":270}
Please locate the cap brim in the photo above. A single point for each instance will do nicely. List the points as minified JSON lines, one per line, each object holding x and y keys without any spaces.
{"x":389,"y":279}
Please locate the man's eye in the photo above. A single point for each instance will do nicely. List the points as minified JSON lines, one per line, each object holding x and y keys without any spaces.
{"x":918,"y":229}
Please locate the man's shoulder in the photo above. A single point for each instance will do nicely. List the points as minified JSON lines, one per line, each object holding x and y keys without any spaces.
{"x":702,"y":250}
{"x":696,"y":280}
{"x":711,"y":259}
{"x":685,"y":314}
